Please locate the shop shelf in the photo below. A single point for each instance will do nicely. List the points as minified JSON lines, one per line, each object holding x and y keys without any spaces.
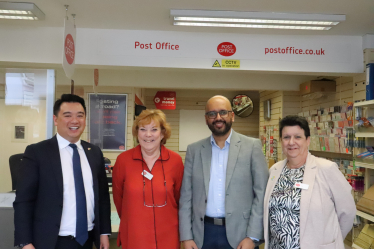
{"x":365,"y":215}
{"x":364,"y":165}
{"x":330,"y":154}
{"x":364,"y":134}
{"x":369,"y":103}
{"x":354,"y":246}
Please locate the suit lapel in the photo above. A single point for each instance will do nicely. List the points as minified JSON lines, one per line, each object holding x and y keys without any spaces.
{"x":87,"y":151}
{"x":273,"y":179}
{"x":91,"y":160}
{"x":206,"y":158}
{"x":233,"y":157}
{"x":54,"y":157}
{"x":306,"y":194}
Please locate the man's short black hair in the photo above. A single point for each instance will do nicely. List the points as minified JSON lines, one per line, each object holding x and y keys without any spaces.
{"x":70,"y":98}
{"x":294,"y":120}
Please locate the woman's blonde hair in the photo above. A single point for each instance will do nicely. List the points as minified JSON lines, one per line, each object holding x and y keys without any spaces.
{"x":146,"y":117}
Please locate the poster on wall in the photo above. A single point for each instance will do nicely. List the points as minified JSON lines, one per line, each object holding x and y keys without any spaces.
{"x":108,"y":121}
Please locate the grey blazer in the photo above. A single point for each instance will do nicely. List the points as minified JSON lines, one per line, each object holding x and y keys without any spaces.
{"x":327,"y":208}
{"x":246,"y":179}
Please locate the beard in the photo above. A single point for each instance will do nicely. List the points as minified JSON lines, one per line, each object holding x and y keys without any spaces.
{"x":222,"y":131}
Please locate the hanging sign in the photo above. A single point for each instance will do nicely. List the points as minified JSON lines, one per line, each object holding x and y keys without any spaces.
{"x":108,"y":121}
{"x":165,"y":100}
{"x":68,"y":56}
{"x":96,"y":77}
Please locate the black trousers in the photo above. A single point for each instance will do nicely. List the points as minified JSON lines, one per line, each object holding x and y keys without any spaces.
{"x":215,"y":237}
{"x":68,"y":242}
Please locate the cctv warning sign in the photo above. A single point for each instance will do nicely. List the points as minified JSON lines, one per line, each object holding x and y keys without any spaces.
{"x":216,"y":64}
{"x":230,"y":63}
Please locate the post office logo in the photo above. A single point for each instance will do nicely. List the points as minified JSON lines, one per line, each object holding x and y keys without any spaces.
{"x":226,"y":49}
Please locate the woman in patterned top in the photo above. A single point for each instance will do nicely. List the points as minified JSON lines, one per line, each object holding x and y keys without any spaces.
{"x":308,"y":202}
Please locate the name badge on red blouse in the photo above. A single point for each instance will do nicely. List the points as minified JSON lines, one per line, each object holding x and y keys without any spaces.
{"x":301,"y":185}
{"x":147,"y":175}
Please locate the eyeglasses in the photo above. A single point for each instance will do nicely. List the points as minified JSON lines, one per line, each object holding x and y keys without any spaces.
{"x":166,"y":191}
{"x":213,"y":114}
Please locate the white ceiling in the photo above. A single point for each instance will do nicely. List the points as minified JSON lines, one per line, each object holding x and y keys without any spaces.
{"x":154,"y":14}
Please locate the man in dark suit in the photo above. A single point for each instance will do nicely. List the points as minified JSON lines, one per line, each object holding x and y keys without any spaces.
{"x":62,"y":199}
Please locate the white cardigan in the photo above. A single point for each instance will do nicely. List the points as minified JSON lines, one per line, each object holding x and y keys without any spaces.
{"x":327,"y":208}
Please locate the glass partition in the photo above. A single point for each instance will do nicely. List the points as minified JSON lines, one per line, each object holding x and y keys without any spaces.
{"x":26,"y":106}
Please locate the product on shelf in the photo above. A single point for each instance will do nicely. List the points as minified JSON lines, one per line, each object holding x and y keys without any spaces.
{"x":331,"y":129}
{"x":366,"y":203}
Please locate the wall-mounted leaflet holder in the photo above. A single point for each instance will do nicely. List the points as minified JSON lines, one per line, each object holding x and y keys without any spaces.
{"x":267,"y":109}
{"x":369,"y":81}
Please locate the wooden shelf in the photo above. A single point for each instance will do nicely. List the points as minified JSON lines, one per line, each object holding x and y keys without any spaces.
{"x":364,"y":165}
{"x":333,"y":155}
{"x":365,"y":215}
{"x":364,"y":103}
{"x":354,"y":246}
{"x":364,"y":134}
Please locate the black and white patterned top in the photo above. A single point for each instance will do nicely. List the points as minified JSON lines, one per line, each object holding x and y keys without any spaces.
{"x":284,"y":210}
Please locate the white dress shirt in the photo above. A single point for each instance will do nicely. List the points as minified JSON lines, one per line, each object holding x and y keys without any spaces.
{"x":68,"y":219}
{"x":216,"y":196}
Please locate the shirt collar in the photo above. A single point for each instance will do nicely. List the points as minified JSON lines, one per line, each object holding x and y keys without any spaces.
{"x":213,"y":142}
{"x":63,"y":143}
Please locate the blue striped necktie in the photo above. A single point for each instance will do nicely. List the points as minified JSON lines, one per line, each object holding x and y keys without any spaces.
{"x":81,"y":233}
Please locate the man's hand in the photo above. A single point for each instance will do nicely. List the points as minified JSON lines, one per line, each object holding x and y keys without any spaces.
{"x":246,"y":243}
{"x":104,"y":242}
{"x":189,"y":244}
{"x":29,"y":246}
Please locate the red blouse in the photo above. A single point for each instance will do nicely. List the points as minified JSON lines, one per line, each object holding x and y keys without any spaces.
{"x":144,"y":227}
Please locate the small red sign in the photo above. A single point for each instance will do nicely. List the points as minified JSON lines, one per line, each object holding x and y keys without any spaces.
{"x":226,"y":49}
{"x":165,"y":100}
{"x":69,"y":49}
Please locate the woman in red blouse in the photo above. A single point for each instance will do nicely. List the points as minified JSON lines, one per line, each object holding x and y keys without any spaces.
{"x":146,"y":184}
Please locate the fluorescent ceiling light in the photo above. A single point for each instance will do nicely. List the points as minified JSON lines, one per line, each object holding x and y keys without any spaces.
{"x":237,"y":25}
{"x":235,"y":20}
{"x":213,"y":18}
{"x":18,"y":17}
{"x":21,"y":11}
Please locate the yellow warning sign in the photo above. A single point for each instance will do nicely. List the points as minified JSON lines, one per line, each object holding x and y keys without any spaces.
{"x":216,"y":64}
{"x":230,"y":63}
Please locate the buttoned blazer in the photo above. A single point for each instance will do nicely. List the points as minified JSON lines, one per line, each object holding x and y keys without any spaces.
{"x":246,"y":178}
{"x":39,"y":195}
{"x":327,"y":208}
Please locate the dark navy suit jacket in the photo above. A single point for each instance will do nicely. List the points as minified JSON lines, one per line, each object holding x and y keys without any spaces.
{"x":39,"y":196}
